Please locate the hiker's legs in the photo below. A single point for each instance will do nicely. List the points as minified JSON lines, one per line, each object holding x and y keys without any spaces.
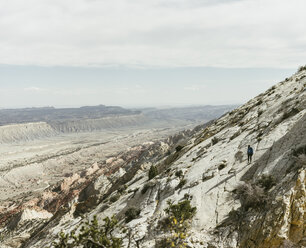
{"x":249,"y":158}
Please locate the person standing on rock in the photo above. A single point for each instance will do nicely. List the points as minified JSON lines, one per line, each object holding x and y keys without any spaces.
{"x":250,"y":154}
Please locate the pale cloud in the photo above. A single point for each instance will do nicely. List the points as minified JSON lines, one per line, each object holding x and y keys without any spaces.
{"x":236,"y":33}
{"x":34,"y":89}
{"x":195,"y":88}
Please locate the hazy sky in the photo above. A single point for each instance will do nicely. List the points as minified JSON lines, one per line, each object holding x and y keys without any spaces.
{"x":146,"y":52}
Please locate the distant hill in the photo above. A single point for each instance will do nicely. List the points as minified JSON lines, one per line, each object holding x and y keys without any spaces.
{"x":194,"y":113}
{"x":50,"y":114}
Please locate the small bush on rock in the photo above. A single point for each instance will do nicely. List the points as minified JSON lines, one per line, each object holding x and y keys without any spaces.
{"x":179,"y":173}
{"x":177,"y":223}
{"x":181,"y":211}
{"x":179,"y":148}
{"x":214,"y":140}
{"x":153,"y":172}
{"x":114,"y":198}
{"x":251,"y":196}
{"x":266,"y":182}
{"x":131,"y":214}
{"x":122,"y":189}
{"x":181,"y":183}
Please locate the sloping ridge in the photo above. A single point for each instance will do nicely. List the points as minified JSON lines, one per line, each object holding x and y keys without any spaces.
{"x":25,"y":132}
{"x":88,"y":125}
{"x":39,"y":130}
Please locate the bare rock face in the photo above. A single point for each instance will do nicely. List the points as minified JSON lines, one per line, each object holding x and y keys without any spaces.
{"x":29,"y":215}
{"x":297,"y":212}
{"x":238,"y":204}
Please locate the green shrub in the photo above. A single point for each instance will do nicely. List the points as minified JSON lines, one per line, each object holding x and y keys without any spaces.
{"x":179,"y":148}
{"x":301,"y":150}
{"x":122,"y":189}
{"x":131,"y":214}
{"x":251,"y":196}
{"x":214,"y":140}
{"x":91,"y":235}
{"x":114,"y":198}
{"x":181,"y":183}
{"x":177,"y":223}
{"x":181,"y":211}
{"x":259,"y":102}
{"x":188,"y":196}
{"x":153,"y":172}
{"x":266,"y":182}
{"x":179,"y":173}
{"x":221,"y":166}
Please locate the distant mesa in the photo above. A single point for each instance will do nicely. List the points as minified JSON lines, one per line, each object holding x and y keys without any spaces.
{"x":49,"y":114}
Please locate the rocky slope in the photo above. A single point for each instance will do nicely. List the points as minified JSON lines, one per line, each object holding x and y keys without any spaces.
{"x":261,"y":204}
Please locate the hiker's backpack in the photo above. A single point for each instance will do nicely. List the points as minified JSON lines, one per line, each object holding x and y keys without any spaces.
{"x":250,"y":151}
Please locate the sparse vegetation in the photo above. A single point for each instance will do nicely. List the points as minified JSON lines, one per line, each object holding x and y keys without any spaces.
{"x":179,"y":148}
{"x":214,"y":140}
{"x":299,"y":151}
{"x":266,"y":182}
{"x":241,"y":123}
{"x":177,"y":223}
{"x":259,"y":102}
{"x":181,"y":183}
{"x":131,"y":214}
{"x":179,"y":173}
{"x":91,"y":235}
{"x":251,"y":196}
{"x":302,"y":68}
{"x":221,"y":166}
{"x":114,"y":198}
{"x":153,"y":172}
{"x":188,"y":196}
{"x":122,"y":189}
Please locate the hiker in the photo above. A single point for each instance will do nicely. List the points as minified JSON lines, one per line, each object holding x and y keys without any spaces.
{"x":250,"y":154}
